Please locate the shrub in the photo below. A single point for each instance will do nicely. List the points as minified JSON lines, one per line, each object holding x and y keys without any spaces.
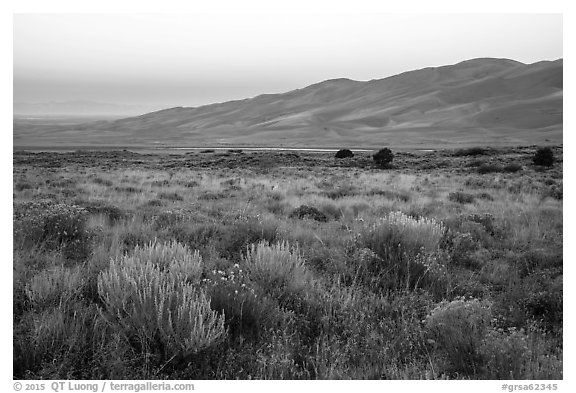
{"x":463,"y":248}
{"x":277,"y":268}
{"x":458,"y":328}
{"x":191,"y":184}
{"x":152,"y":298}
{"x":403,"y":196}
{"x":173,"y":256}
{"x":233,"y":239}
{"x":102,"y":182}
{"x":505,"y":354}
{"x":544,"y":305}
{"x":171,"y":196}
{"x":461,"y":197}
{"x":485,"y":196}
{"x":344,"y":153}
{"x":476,"y":163}
{"x":54,"y":287}
{"x":167,"y":219}
{"x":128,"y":189}
{"x":383,"y":157}
{"x":233,"y":296}
{"x":489,"y":168}
{"x":401,"y":250}
{"x":58,"y":341}
{"x":556,"y":192}
{"x":407,"y":234}
{"x":331,"y":211}
{"x":309,"y":212}
{"x":52,"y":226}
{"x":484,"y":219}
{"x":20,"y":186}
{"x":139,"y":237}
{"x":160,"y":183}
{"x":512,"y":168}
{"x":154,"y":203}
{"x":340,"y":191}
{"x":472,"y":151}
{"x":111,"y":212}
{"x":543,"y":157}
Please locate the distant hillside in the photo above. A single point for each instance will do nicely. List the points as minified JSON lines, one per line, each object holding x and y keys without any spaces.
{"x":78,"y":108}
{"x":480,"y":101}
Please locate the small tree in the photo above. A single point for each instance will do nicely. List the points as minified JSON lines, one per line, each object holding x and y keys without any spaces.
{"x":383,"y":158}
{"x":344,"y":153}
{"x":544,"y":157}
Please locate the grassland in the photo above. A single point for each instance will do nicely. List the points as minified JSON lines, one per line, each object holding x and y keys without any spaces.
{"x":269,"y":265}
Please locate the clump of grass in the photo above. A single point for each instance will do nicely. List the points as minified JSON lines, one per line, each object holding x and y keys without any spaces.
{"x":21,"y":186}
{"x":391,"y":194}
{"x":111,"y":212}
{"x":154,"y":203}
{"x":461,"y":197}
{"x":512,"y":168}
{"x":233,"y":296}
{"x":53,"y":287}
{"x":160,"y":183}
{"x":489,"y":168}
{"x":211,"y":196}
{"x":457,"y":328}
{"x":152,"y":297}
{"x":308,"y":212}
{"x":167,"y":219}
{"x":340,"y":191}
{"x":485,"y":196}
{"x":127,"y":189}
{"x":62,"y":183}
{"x":173,"y":256}
{"x":191,"y":184}
{"x":462,"y":249}
{"x":136,"y":238}
{"x":65,"y":335}
{"x":170,"y":196}
{"x":234,"y":238}
{"x":277,"y":268}
{"x":401,"y":250}
{"x":408,"y":234}
{"x":102,"y":182}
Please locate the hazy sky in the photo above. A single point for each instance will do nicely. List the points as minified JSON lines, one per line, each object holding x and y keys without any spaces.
{"x":190,"y":60}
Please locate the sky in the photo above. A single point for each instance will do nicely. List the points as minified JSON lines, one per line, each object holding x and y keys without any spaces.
{"x":170,"y":60}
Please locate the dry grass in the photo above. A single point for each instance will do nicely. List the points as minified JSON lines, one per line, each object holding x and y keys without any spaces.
{"x":194,"y":267}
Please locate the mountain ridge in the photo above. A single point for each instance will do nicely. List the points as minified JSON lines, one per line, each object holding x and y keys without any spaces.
{"x":479,"y":101}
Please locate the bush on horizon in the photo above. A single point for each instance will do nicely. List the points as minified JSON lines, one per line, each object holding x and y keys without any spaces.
{"x":344,"y":153}
{"x":544,"y":156}
{"x":383,"y":158}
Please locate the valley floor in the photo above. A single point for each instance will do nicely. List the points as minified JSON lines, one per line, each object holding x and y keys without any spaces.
{"x":285,"y":265}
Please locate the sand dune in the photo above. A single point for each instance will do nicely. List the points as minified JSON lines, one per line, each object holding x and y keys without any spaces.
{"x":480,"y":101}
